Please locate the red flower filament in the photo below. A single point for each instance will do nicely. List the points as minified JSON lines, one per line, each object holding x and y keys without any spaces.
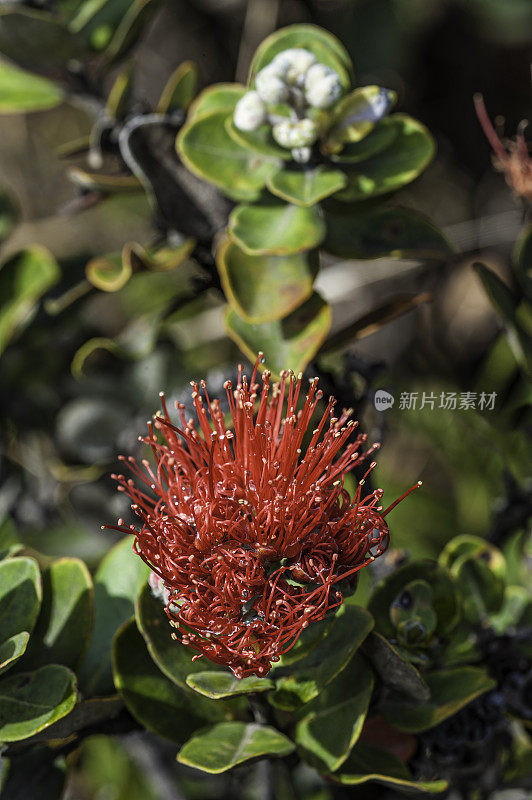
{"x":250,"y":534}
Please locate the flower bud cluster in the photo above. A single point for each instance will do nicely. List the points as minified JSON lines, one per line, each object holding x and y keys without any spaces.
{"x":295,"y":78}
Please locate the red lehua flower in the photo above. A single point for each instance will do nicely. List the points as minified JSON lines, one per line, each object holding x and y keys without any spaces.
{"x":511,"y":157}
{"x":250,"y":534}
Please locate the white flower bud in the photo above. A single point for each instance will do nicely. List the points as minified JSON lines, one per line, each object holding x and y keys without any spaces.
{"x":301,"y":154}
{"x":250,"y":112}
{"x":322,"y":86}
{"x":270,"y":85}
{"x":294,"y":63}
{"x":295,"y":133}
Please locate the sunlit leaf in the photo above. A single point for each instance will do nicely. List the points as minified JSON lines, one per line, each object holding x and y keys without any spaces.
{"x":24,"y":278}
{"x":265,"y":288}
{"x":21,"y":92}
{"x":228,"y":744}
{"x":276,"y":227}
{"x":31,"y":701}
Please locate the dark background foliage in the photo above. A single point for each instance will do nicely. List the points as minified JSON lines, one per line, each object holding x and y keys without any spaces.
{"x":62,"y":427}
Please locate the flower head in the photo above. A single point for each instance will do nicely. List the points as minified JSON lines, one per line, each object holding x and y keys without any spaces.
{"x":511,"y":157}
{"x":250,"y":531}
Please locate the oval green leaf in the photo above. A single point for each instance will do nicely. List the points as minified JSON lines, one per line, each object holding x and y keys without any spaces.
{"x":265,"y":288}
{"x":22,"y":92}
{"x":277,"y":228}
{"x":396,"y":166}
{"x":377,"y":232}
{"x":326,"y":47}
{"x":377,"y":140}
{"x":12,"y":649}
{"x":24,"y":278}
{"x":210,"y":153}
{"x":393,"y":669}
{"x":368,"y":763}
{"x":180,"y":89}
{"x":289,"y":343}
{"x":64,"y":627}
{"x":217,"y":685}
{"x":20,"y":596}
{"x":450,"y":690}
{"x":116,"y":584}
{"x":303,"y":681}
{"x":157,"y":703}
{"x":334,"y":720}
{"x":220,"y":97}
{"x":306,"y":187}
{"x":31,"y":701}
{"x":172,"y":657}
{"x":224,"y":746}
{"x":446,"y":599}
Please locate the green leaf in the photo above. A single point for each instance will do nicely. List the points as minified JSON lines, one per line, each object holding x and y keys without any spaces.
{"x":22,"y":92}
{"x":116,"y":584}
{"x":12,"y":649}
{"x":260,"y":141}
{"x":480,"y":571}
{"x":333,"y":721}
{"x":156,"y":702}
{"x":20,"y":596}
{"x":326,"y":47}
{"x":396,"y":166}
{"x":307,"y":678}
{"x":265,"y":288}
{"x":445,"y":600}
{"x":172,"y":657}
{"x":85,"y":714}
{"x":289,"y":343}
{"x":220,"y":97}
{"x":132,"y":23}
{"x":393,"y":669}
{"x":507,"y":305}
{"x":523,"y":260}
{"x":209,"y":152}
{"x":276,"y":228}
{"x":31,"y":701}
{"x":108,"y":273}
{"x":119,"y":97}
{"x":378,"y":139}
{"x":217,"y":685}
{"x":228,"y":744}
{"x":64,"y":627}
{"x":157,"y":259}
{"x":357,"y":232}
{"x":450,"y":690}
{"x":368,"y":763}
{"x":356,"y":115}
{"x":24,"y":278}
{"x":180,"y":89}
{"x":306,"y":187}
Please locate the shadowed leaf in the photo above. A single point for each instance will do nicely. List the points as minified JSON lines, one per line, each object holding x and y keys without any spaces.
{"x":289,"y":343}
